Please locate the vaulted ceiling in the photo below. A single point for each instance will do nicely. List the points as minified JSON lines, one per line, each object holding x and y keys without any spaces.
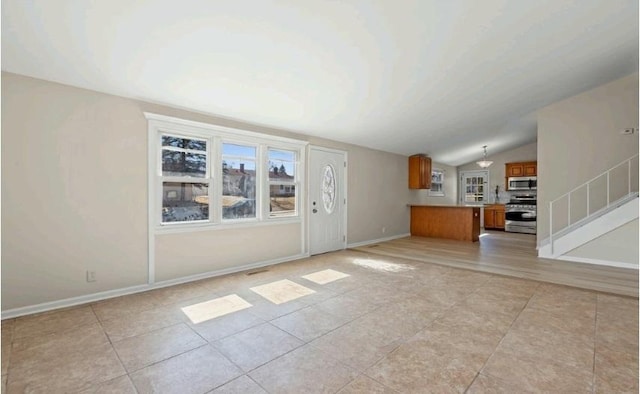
{"x":406,"y":76}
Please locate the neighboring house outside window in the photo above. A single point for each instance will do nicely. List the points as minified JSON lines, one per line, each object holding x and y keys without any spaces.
{"x":282,"y":183}
{"x":238,"y":181}
{"x":437,"y":183}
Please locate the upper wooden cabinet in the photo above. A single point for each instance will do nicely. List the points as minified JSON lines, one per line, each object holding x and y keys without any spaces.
{"x":529,"y":168}
{"x":419,"y":172}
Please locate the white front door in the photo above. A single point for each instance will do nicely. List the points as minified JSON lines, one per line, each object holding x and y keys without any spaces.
{"x":327,"y":203}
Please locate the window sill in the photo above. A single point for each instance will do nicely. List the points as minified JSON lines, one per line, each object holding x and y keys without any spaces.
{"x":196,"y":227}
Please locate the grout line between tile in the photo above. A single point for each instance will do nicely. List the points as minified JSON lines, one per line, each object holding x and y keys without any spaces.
{"x":503,"y":337}
{"x":348,"y":383}
{"x":233,"y":380}
{"x":114,"y":351}
{"x":238,"y":332}
{"x":472,"y":381}
{"x":195,"y":332}
{"x":139,"y":369}
{"x":326,"y":333}
{"x":238,"y":366}
{"x":14,"y":338}
{"x":163,"y":360}
{"x":126,"y":373}
{"x":146,"y":332}
{"x":13,"y":328}
{"x":259,"y":385}
{"x":224,"y":355}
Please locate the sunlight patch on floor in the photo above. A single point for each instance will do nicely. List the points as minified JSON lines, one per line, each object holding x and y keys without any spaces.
{"x":326,"y":276}
{"x":282,"y":291}
{"x":208,"y":310}
{"x":381,"y":265}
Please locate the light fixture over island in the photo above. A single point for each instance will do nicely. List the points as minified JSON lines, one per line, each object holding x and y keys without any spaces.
{"x":484,"y":163}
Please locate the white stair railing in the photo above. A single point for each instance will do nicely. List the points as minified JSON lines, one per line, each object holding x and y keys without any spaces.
{"x":588,"y":185}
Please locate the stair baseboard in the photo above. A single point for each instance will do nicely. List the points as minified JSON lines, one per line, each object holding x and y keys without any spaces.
{"x":601,"y":225}
{"x":598,"y":262}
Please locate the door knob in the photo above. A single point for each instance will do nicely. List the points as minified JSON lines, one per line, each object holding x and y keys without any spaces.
{"x":314,"y":210}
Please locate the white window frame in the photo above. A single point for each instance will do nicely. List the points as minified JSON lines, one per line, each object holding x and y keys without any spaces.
{"x":257,"y":161}
{"x":295,"y":183}
{"x":441,"y":192}
{"x":208,"y":178}
{"x":215,"y":136}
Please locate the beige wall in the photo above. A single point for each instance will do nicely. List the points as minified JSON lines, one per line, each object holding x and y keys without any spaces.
{"x":74,"y":194}
{"x":579,"y":138}
{"x":613,"y":246}
{"x":378,"y":194}
{"x":74,"y":197}
{"x":192,"y":253}
{"x":527,"y":152}
{"x":450,"y":188}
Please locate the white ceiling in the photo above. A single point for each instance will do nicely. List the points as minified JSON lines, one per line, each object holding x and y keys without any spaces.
{"x":405,"y":76}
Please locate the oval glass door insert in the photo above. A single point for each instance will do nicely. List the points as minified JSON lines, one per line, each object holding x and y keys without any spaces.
{"x":329,"y":188}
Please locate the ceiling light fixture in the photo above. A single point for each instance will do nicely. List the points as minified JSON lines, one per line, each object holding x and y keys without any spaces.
{"x":484,"y":163}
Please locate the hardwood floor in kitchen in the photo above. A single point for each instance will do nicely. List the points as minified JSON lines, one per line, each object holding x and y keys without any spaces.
{"x":510,"y":254}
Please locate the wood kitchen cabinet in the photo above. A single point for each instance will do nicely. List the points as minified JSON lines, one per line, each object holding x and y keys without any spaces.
{"x":446,"y":221}
{"x":529,"y":168}
{"x":419,"y":172}
{"x":494,"y":216}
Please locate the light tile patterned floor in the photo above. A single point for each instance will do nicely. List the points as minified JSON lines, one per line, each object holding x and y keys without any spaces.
{"x":392,"y":325}
{"x":326,"y":276}
{"x":282,"y":291}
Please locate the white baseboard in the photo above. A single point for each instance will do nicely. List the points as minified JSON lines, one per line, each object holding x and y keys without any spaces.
{"x":226,"y":271}
{"x":104,"y":295}
{"x":375,"y":241}
{"x":598,"y":262}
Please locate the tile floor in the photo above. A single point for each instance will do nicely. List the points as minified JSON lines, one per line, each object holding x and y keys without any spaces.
{"x":344,"y":322}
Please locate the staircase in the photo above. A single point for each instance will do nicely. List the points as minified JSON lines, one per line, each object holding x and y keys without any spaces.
{"x":591,"y":210}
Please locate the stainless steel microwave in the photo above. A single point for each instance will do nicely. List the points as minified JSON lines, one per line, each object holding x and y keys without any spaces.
{"x":522,"y":183}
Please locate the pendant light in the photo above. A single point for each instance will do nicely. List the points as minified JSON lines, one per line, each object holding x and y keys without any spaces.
{"x":484,"y":163}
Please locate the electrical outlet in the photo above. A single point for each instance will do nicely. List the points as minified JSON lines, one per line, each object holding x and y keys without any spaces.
{"x":91,"y":276}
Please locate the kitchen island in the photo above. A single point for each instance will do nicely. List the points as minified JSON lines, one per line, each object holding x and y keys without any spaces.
{"x":457,"y":222}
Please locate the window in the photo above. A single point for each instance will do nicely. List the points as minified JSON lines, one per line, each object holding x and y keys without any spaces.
{"x":282,"y":183}
{"x":238,"y":181}
{"x":185,"y":179}
{"x":437,"y":182}
{"x":211,"y":176}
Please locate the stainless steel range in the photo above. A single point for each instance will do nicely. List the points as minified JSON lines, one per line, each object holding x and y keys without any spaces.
{"x":521,"y":214}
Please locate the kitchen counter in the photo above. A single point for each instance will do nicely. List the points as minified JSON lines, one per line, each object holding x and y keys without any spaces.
{"x":459,"y":222}
{"x":445,"y":206}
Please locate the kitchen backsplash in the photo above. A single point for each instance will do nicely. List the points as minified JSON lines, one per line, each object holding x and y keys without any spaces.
{"x":504,"y":196}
